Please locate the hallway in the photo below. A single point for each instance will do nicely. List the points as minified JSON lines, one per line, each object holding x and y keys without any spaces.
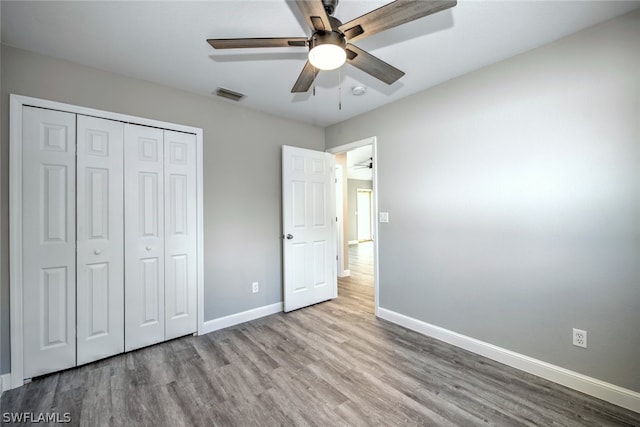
{"x":358,"y":288}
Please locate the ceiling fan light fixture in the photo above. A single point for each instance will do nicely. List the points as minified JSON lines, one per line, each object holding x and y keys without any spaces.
{"x":326,"y":51}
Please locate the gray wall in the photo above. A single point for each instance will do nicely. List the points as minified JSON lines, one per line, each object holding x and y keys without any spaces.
{"x":523,"y":219}
{"x":242,"y":169}
{"x":352,"y":221}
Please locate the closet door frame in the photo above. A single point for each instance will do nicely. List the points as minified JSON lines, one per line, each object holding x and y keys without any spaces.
{"x":16,"y":104}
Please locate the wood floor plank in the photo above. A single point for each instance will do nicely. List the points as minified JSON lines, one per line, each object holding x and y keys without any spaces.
{"x":331,"y":364}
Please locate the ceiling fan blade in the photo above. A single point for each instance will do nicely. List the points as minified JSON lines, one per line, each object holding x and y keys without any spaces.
{"x":315,"y":15}
{"x":305,"y":79}
{"x":391,"y":15}
{"x":372,"y":65}
{"x":259,"y":42}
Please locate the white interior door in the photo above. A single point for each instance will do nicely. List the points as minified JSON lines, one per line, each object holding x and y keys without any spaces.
{"x":49,"y":240}
{"x":180,"y":234}
{"x":308,"y":200}
{"x":144,"y":236}
{"x":363,"y":212}
{"x":100,"y":239}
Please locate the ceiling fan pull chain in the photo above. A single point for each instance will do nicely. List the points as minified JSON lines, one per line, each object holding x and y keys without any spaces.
{"x":315,"y":74}
{"x":339,"y":89}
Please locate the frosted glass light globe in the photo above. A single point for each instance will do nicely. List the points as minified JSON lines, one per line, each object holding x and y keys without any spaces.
{"x":327,"y":56}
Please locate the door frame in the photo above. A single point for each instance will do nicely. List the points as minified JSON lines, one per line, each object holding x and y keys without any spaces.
{"x":16,"y":103}
{"x":373,"y":141}
{"x":342,"y":272}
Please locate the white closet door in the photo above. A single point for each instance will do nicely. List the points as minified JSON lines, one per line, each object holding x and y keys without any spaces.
{"x":144,"y":236}
{"x":100,"y":234}
{"x":180,"y":233}
{"x":49,"y":240}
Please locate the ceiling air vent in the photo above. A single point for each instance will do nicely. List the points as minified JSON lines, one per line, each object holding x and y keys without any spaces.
{"x":229,"y":94}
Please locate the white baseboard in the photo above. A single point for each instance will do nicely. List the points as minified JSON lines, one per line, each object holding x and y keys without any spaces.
{"x":245,"y":316}
{"x":344,"y":273}
{"x":602,"y":390}
{"x":5,"y":383}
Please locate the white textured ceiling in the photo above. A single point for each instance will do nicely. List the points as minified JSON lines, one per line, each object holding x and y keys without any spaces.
{"x":165,"y":42}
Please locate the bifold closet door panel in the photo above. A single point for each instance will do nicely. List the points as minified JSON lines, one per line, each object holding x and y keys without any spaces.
{"x":180,"y":234}
{"x":144,"y":236}
{"x":48,"y":240}
{"x":100,"y":239}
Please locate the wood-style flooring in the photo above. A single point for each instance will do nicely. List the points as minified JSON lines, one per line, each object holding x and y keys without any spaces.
{"x":332,"y":364}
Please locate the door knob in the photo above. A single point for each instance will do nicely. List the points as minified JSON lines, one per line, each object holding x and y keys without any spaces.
{"x":97,"y":252}
{"x":148,"y":248}
{"x":289,"y":236}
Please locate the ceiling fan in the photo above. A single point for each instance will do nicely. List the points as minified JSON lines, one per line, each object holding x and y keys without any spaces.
{"x":365,"y":164}
{"x":330,"y":44}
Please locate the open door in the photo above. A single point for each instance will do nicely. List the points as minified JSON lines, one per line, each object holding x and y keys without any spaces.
{"x":309,"y":221}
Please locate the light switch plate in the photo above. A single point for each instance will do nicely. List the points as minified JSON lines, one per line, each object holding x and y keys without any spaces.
{"x":384,"y":216}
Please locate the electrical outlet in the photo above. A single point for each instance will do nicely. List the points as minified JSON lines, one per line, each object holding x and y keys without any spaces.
{"x":255,"y":287}
{"x":579,"y":338}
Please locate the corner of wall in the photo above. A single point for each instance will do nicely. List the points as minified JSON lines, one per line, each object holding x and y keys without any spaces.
{"x":5,"y":383}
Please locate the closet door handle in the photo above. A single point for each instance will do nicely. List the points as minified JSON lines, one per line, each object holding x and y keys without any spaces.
{"x":148,"y":248}
{"x":97,"y":252}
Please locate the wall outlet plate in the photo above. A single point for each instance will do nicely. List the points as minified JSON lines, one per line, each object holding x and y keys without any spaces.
{"x":384,"y":216}
{"x":255,"y":287}
{"x":579,"y":338}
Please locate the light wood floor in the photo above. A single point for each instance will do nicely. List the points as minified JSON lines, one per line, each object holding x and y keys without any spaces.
{"x":333,"y":364}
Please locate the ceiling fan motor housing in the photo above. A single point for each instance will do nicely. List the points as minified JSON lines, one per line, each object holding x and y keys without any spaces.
{"x":333,"y":36}
{"x":327,"y":37}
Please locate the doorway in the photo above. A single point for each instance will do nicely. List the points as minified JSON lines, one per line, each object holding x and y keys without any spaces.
{"x":357,"y":231}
